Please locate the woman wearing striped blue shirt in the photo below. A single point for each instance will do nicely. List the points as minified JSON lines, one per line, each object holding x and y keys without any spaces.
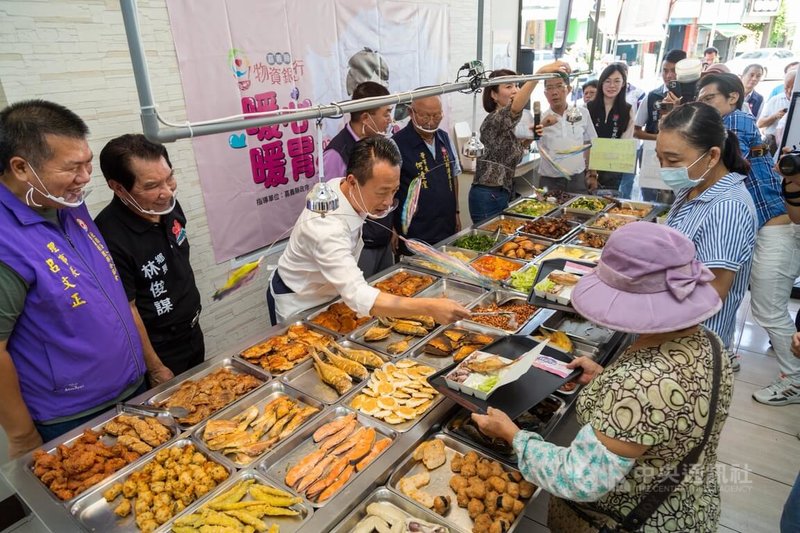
{"x":702,"y":162}
{"x":776,"y":260}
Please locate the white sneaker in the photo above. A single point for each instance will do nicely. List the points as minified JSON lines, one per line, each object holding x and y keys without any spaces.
{"x":781,"y":392}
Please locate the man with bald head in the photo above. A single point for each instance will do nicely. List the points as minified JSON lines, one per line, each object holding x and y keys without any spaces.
{"x":774,"y":110}
{"x":428,"y":160}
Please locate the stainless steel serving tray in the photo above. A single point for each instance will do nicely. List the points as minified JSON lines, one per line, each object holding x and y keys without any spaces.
{"x":440,"y":362}
{"x":382,"y":346}
{"x":589,"y":254}
{"x":276,"y":332}
{"x":305,"y":379}
{"x":570,"y":207}
{"x":567,"y":236}
{"x":109,"y":440}
{"x":384,"y":495}
{"x":233,"y":364}
{"x":635,"y":205}
{"x":399,"y":428}
{"x":458,"y":517}
{"x":518,"y":220}
{"x":400,"y":269}
{"x":470,"y":231}
{"x":514,"y":205}
{"x":309,"y":320}
{"x":462,"y":293}
{"x":519,"y":262}
{"x":509,"y":459}
{"x":604,"y":216}
{"x":579,"y":240}
{"x":533,"y":238}
{"x":499,"y":297}
{"x":94,"y":513}
{"x":266,"y":394}
{"x":579,"y":329}
{"x":301,"y":444}
{"x":287,"y":524}
{"x":580,"y":217}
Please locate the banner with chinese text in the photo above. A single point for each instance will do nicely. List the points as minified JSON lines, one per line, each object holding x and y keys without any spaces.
{"x":246,"y":56}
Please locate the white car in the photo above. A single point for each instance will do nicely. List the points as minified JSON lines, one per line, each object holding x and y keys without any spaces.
{"x":772,"y":59}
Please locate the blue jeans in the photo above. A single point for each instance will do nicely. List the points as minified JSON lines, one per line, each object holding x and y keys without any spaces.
{"x":790,"y":519}
{"x":486,"y":202}
{"x":51,"y":431}
{"x":626,"y":185}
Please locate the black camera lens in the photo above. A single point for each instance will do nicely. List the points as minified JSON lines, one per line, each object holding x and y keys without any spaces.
{"x":789,"y":164}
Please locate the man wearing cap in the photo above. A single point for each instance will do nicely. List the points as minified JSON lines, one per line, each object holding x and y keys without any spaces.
{"x":710,"y":57}
{"x":69,"y":347}
{"x":644,"y":413}
{"x":378,"y":238}
{"x":430,"y":164}
{"x":145,"y":229}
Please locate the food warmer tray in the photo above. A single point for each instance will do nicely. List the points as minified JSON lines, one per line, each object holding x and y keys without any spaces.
{"x":309,"y":320}
{"x":397,"y":269}
{"x":383,"y":494}
{"x":382,"y":346}
{"x":439,"y":362}
{"x":463,"y":293}
{"x":279,"y":330}
{"x":472,"y":231}
{"x":501,"y":297}
{"x":579,"y":329}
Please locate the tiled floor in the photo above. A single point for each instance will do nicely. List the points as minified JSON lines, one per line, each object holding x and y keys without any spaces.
{"x":759,"y":453}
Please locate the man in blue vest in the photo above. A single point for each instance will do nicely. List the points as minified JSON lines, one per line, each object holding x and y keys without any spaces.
{"x":69,"y":347}
{"x":428,"y":162}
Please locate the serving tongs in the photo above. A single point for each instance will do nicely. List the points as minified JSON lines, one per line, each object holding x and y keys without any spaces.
{"x":172,"y":412}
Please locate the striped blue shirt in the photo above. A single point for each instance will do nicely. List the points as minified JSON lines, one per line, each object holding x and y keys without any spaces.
{"x":722,"y":224}
{"x":763,"y":182}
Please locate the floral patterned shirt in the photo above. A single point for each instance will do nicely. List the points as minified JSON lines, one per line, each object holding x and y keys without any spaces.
{"x":503,"y":151}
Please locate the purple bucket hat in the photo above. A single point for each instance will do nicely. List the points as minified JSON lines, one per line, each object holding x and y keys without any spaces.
{"x":647,"y":281}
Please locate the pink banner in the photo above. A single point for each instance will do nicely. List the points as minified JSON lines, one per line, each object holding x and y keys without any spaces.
{"x":245,"y":57}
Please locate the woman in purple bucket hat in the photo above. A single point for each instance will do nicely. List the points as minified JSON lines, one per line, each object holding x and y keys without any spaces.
{"x":645,"y":457}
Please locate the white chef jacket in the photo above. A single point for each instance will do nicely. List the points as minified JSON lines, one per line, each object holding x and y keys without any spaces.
{"x":321,"y":261}
{"x":562,"y":136}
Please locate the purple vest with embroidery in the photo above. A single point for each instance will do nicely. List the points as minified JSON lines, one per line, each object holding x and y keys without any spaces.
{"x":75,"y":345}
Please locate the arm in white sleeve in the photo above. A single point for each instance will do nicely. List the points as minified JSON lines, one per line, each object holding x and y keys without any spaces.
{"x":584,"y":472}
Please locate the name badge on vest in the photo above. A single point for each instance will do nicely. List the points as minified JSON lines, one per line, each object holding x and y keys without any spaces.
{"x":179,"y":232}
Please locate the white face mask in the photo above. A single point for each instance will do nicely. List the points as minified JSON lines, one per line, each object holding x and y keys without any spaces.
{"x":363,"y":206}
{"x":131,"y":202}
{"x":76,"y":201}
{"x":420,"y":128}
{"x":374,"y":128}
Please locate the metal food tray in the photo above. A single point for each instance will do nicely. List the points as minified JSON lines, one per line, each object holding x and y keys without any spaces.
{"x":301,"y":444}
{"x":484,"y":225}
{"x":322,"y":329}
{"x":305,"y":379}
{"x":635,"y":205}
{"x":420,"y":262}
{"x":384,"y":495}
{"x":233,"y":364}
{"x":109,"y":440}
{"x":382,"y":346}
{"x":438,"y":362}
{"x":510,"y":209}
{"x":591,"y":334}
{"x":581,"y":217}
{"x":411,"y":271}
{"x":94,"y":513}
{"x":588,"y":251}
{"x":533,"y":238}
{"x":276,"y":332}
{"x":458,"y":517}
{"x":578,"y":240}
{"x":266,"y":394}
{"x":520,"y":262}
{"x":399,"y":428}
{"x":510,"y":459}
{"x":607,"y":216}
{"x":567,"y":236}
{"x":568,"y":205}
{"x":462,"y":293}
{"x":499,"y":297}
{"x":287,"y":524}
{"x":470,"y":231}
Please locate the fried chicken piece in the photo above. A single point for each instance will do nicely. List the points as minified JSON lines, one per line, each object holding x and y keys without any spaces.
{"x":135,"y":444}
{"x":116,"y":427}
{"x":79,"y":461}
{"x":123,"y":509}
{"x":112,"y":492}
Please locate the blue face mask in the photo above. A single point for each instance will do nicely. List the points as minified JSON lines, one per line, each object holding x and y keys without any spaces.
{"x":677,"y":178}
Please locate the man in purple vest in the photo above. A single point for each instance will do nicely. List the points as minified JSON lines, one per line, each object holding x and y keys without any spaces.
{"x":69,"y":347}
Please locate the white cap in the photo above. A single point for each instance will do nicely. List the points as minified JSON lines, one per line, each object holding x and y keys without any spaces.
{"x":688,"y":70}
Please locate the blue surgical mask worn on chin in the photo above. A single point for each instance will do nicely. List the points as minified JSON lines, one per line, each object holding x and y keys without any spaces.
{"x":77,"y":202}
{"x":363,"y":205}
{"x":677,"y":178}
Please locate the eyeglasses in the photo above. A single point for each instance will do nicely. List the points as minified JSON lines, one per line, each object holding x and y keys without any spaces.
{"x":708,"y":98}
{"x":425,"y":118}
{"x":559,"y":87}
{"x":612,"y":82}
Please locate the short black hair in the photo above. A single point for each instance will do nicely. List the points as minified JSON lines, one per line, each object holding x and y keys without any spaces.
{"x":726,"y":84}
{"x":489,"y":104}
{"x":710,"y":49}
{"x":24,"y":125}
{"x":674,"y":55}
{"x":368,"y":89}
{"x":369,"y":151}
{"x":116,"y":156}
{"x":752,"y":66}
{"x":590,"y":83}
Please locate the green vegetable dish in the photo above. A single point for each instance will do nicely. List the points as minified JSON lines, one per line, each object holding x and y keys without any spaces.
{"x":523,"y":280}
{"x":533,"y":208}
{"x":488,"y":384}
{"x":588,"y":204}
{"x":476,"y":242}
